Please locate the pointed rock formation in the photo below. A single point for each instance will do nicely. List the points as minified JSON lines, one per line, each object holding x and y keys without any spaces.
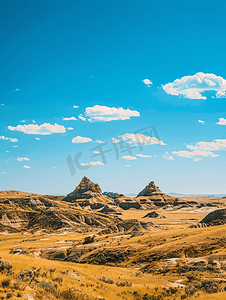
{"x":85,"y":190}
{"x":151,"y":190}
{"x":155,"y":195}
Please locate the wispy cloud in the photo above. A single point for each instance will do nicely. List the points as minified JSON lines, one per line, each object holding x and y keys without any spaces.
{"x":100,"y":113}
{"x":81,"y":117}
{"x":167,"y":156}
{"x":191,"y":154}
{"x":43,"y":129}
{"x":27,"y":167}
{"x":193,"y":86}
{"x":147,"y":82}
{"x":201,"y":121}
{"x":100,"y":142}
{"x":69,"y":119}
{"x":93,"y":163}
{"x":221,"y":121}
{"x":70,"y":128}
{"x":129,"y":157}
{"x":23,"y":158}
{"x":23,"y":121}
{"x":202,"y":148}
{"x":144,"y":156}
{"x":79,"y":139}
{"x":12,"y":140}
{"x":17,"y":90}
{"x":75,"y":106}
{"x":2,"y":172}
{"x":197,"y":159}
{"x":140,"y":139}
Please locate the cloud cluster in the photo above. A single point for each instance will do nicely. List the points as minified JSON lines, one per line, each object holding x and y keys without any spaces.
{"x":140,"y":139}
{"x":100,"y":113}
{"x":221,"y":121}
{"x":23,"y":158}
{"x":79,"y":140}
{"x":43,"y":129}
{"x":69,"y":119}
{"x":202,"y":149}
{"x":13,"y":140}
{"x":193,"y":86}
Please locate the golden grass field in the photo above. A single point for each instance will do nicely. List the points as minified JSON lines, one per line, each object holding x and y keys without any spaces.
{"x":177,"y":239}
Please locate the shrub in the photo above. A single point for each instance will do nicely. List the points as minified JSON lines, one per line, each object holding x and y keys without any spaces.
{"x":124,"y":283}
{"x":5,"y":282}
{"x":47,"y":286}
{"x":109,"y":280}
{"x":210,"y":286}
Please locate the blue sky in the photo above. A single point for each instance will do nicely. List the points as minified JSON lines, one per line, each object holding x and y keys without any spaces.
{"x":126,"y":65}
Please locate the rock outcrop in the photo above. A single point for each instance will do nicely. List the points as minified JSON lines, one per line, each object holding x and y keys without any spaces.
{"x":216,"y":217}
{"x":85,"y":190}
{"x":154,"y":215}
{"x":153,"y":193}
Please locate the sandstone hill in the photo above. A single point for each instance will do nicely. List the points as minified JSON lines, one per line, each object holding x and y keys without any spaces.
{"x":151,"y":194}
{"x":21,"y":212}
{"x":216,"y":217}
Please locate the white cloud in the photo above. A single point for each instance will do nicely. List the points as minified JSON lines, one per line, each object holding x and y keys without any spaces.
{"x":100,"y":113}
{"x":69,"y":119}
{"x":23,"y":121}
{"x":82,"y":118}
{"x":209,"y":146}
{"x":222,"y":121}
{"x":141,"y":155}
{"x":192,"y":87}
{"x":13,"y":140}
{"x":100,"y":142}
{"x":54,"y":167}
{"x":97,"y":152}
{"x":75,"y":106}
{"x":201,"y":121}
{"x":38,"y":139}
{"x":59,"y":176}
{"x":70,"y":128}
{"x":197,"y":159}
{"x":17,"y":90}
{"x":129,"y":157}
{"x":2,"y":104}
{"x":169,"y":157}
{"x":26,"y":167}
{"x":33,"y":121}
{"x":7,"y":151}
{"x":128,"y":165}
{"x":79,"y":139}
{"x":43,"y":129}
{"x":191,"y":154}
{"x":93,"y":163}
{"x":2,"y":172}
{"x":23,"y":158}
{"x":140,"y":139}
{"x":15,"y":146}
{"x":147,"y":82}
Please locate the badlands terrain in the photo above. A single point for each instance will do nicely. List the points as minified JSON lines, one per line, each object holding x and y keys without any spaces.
{"x":94,"y":245}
